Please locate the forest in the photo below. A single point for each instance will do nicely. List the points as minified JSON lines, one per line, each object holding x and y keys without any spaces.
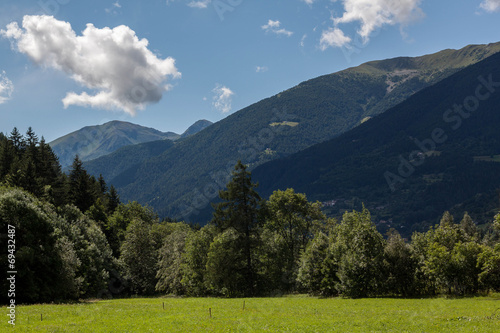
{"x":76,"y":240}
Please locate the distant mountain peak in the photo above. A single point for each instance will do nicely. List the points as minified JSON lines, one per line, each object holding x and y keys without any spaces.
{"x":91,"y":142}
{"x":196,"y":127}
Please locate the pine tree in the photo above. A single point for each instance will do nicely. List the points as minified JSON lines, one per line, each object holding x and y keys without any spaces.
{"x":80,"y":190}
{"x":239,"y":212}
{"x":113,"y":200}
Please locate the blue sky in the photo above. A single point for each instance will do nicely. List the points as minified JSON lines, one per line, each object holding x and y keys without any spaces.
{"x":66,"y":64}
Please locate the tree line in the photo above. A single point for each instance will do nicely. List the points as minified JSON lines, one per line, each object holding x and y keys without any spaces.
{"x":74,"y":239}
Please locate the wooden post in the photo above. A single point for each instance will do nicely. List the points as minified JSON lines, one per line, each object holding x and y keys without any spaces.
{"x":163,"y":305}
{"x":210,"y":312}
{"x":41,"y":317}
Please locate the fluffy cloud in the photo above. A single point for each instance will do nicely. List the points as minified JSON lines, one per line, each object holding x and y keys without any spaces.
{"x":491,"y":5}
{"x":261,"y":69}
{"x":333,"y":37}
{"x":222,"y":99}
{"x":118,"y":66}
{"x":275,"y":27}
{"x":372,"y":14}
{"x":6,"y":88}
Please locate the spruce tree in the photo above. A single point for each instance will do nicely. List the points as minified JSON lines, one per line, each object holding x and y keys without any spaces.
{"x":239,"y":211}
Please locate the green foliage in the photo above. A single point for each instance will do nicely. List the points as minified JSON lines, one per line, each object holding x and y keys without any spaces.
{"x":171,"y":260}
{"x":194,"y":263}
{"x":489,"y":262}
{"x":293,"y":219}
{"x":138,"y":254}
{"x":311,"y":273}
{"x":359,"y":251}
{"x":226,"y":273}
{"x":42,"y":258}
{"x":400,"y":266}
{"x":91,"y":248}
{"x":123,"y":216}
{"x":238,"y":214}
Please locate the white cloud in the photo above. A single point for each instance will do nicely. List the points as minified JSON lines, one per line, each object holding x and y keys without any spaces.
{"x":490,"y":5}
{"x":222,"y":99}
{"x":118,"y":66}
{"x":6,"y":88}
{"x":303,"y":40}
{"x":199,"y":4}
{"x":309,"y":2}
{"x":261,"y":69}
{"x":114,"y":8}
{"x":333,"y":37}
{"x":274,"y":27}
{"x":373,"y":14}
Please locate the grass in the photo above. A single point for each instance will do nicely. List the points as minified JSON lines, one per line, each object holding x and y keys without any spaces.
{"x":287,"y":314}
{"x":493,"y":158}
{"x":285,"y":123}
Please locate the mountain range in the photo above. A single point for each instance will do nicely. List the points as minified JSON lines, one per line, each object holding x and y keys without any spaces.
{"x":179,"y":180}
{"x":92,"y":142}
{"x":439,"y":150}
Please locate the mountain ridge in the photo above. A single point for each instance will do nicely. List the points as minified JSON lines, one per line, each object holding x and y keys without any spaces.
{"x":92,"y":142}
{"x":377,"y":163}
{"x":187,"y":176}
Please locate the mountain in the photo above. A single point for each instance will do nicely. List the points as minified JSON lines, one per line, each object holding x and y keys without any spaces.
{"x":439,"y":150}
{"x":196,"y":127}
{"x":94,"y":141}
{"x":183,"y":179}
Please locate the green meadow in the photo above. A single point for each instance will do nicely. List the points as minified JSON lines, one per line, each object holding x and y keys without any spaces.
{"x":283,"y":314}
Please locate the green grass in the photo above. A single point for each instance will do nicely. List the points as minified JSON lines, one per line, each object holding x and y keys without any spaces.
{"x":494,"y":158}
{"x":287,"y":314}
{"x":285,"y":123}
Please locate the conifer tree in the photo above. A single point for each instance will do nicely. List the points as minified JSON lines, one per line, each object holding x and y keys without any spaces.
{"x":239,"y":212}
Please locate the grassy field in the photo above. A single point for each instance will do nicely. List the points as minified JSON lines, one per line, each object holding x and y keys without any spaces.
{"x":287,"y":314}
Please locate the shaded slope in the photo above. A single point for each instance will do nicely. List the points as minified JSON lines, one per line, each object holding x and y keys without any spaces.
{"x":391,"y":164}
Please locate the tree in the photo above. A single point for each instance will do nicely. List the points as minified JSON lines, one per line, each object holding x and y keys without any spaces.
{"x":92,"y":250}
{"x":359,"y":252}
{"x":469,"y":227}
{"x":496,"y":224}
{"x":81,"y":191}
{"x":311,"y":275}
{"x":226,"y":268}
{"x":489,"y":262}
{"x":292,"y":217}
{"x":239,"y":213}
{"x":400,"y":265}
{"x":451,"y":256}
{"x":113,"y":200}
{"x":17,"y":141}
{"x":122,"y":218}
{"x":43,"y":259}
{"x":170,"y":261}
{"x":194,"y":263}
{"x":140,"y":258}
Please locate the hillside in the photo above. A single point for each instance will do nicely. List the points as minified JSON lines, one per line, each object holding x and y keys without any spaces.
{"x":431,"y":153}
{"x":196,"y":127}
{"x":184,"y":178}
{"x":94,"y":141}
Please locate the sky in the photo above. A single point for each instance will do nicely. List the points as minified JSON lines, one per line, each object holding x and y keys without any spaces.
{"x":66,"y":64}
